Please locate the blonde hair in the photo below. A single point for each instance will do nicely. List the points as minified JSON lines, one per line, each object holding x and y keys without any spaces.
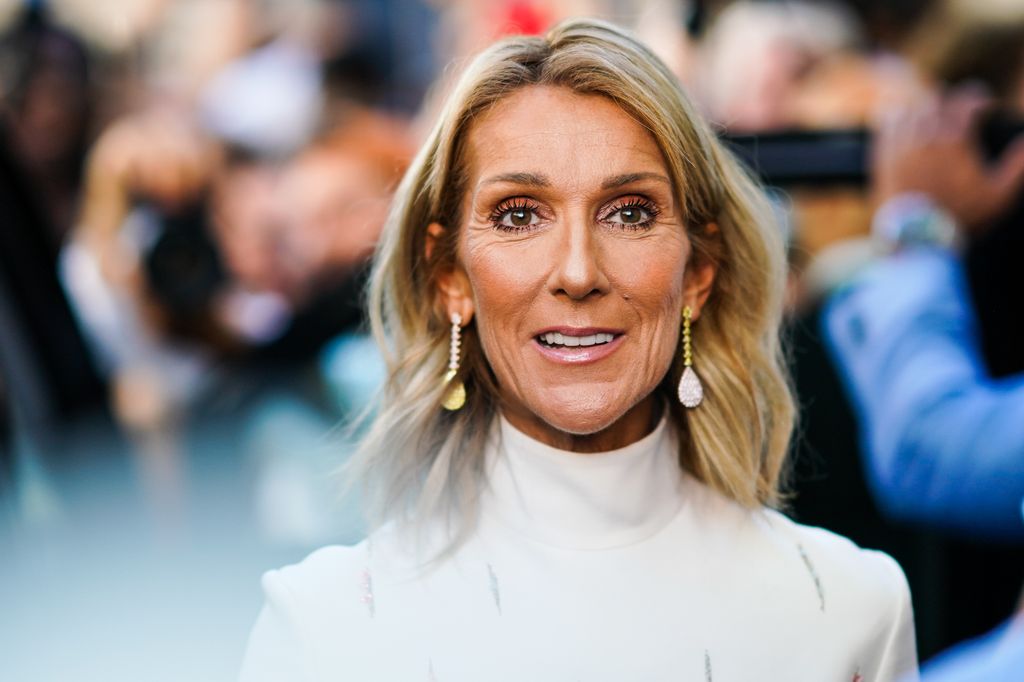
{"x":418,"y":461}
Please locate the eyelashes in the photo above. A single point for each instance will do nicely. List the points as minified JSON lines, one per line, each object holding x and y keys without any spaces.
{"x":521,"y":214}
{"x":515,"y":215}
{"x":635,"y":213}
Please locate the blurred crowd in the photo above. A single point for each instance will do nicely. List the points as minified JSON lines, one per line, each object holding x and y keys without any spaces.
{"x":191,"y":191}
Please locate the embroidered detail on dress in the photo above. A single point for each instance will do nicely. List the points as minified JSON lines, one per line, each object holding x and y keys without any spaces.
{"x":367,"y":598}
{"x":430,"y":672}
{"x":495,"y":592}
{"x":707,"y":666}
{"x":814,"y":575}
{"x":857,"y":677}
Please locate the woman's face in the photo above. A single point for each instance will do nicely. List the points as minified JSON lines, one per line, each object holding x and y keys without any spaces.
{"x":572,"y":258}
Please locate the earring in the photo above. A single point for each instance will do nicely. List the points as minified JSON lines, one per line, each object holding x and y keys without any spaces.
{"x":691,"y":393}
{"x":455,"y":393}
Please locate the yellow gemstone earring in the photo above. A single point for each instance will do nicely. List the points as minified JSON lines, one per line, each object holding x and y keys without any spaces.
{"x":691,"y":393}
{"x":455,"y":392}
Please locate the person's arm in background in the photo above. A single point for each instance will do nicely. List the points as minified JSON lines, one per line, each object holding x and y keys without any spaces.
{"x":995,"y":657}
{"x":944,"y":442}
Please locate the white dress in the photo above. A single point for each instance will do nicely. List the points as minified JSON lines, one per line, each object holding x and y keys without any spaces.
{"x":606,"y":567}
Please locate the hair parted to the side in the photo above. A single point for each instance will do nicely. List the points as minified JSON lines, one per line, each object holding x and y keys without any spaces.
{"x":419,"y":461}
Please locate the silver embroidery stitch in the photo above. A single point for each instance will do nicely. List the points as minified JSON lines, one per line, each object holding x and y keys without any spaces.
{"x":707,"y":666}
{"x":495,"y":592}
{"x":814,"y":575}
{"x":367,"y":598}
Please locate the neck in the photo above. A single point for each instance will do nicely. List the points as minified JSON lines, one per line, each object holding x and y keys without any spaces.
{"x":639,"y":421}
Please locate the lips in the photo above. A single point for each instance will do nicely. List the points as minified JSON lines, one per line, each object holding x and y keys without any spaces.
{"x":577,"y":345}
{"x":568,"y":340}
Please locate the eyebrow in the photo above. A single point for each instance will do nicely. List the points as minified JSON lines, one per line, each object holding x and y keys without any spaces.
{"x":538,"y":180}
{"x":628,"y":178}
{"x":529,"y":179}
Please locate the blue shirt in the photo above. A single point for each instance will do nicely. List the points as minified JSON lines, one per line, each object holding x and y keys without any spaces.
{"x":944,"y":441}
{"x":995,"y":657}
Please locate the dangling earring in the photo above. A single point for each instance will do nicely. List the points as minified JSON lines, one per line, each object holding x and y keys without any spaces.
{"x":455,"y":393}
{"x":691,"y":393}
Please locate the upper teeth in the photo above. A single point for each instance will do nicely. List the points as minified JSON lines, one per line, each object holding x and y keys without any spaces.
{"x":557,"y":339}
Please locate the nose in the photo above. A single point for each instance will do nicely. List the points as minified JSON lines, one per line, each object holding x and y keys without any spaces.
{"x":578,"y":272}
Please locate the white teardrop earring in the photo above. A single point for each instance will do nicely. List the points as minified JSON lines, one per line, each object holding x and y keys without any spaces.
{"x":691,"y":392}
{"x":455,"y":392}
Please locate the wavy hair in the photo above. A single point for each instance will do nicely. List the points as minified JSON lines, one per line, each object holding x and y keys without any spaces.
{"x":418,"y":461}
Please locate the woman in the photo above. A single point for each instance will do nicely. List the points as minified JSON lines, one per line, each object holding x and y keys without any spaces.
{"x":571,"y":482}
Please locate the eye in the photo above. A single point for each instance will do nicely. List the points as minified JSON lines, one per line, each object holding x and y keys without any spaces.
{"x":515,"y":215}
{"x":632,"y":213}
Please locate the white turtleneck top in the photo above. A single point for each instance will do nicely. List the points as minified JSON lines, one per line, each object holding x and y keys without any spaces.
{"x":598,"y":567}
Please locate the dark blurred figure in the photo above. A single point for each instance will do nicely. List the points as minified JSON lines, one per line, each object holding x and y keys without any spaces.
{"x":51,"y":387}
{"x":46,"y":105}
{"x":381,"y":53}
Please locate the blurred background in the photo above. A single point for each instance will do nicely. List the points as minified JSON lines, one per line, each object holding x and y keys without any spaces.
{"x":190,"y":191}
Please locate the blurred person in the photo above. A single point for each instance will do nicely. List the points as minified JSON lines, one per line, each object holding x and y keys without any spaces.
{"x":792,"y":67}
{"x":235,"y":108}
{"x":557,"y":493}
{"x":46,"y":104}
{"x":381,"y":54}
{"x":755,"y":55}
{"x":142,"y":170}
{"x":337,"y":193}
{"x":795,"y":64}
{"x":298,"y":237}
{"x":945,"y":439}
{"x":943,"y":436}
{"x":137,"y":269}
{"x":944,"y":564}
{"x":332,"y":200}
{"x":937,"y":152}
{"x":202,"y":240}
{"x":982,"y":44}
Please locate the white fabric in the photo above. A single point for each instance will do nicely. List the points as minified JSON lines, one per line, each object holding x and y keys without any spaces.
{"x":599,"y":567}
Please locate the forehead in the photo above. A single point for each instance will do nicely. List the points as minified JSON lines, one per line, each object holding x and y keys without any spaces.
{"x":565,"y":135}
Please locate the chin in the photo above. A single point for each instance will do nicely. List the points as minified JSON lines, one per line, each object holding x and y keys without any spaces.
{"x":581,"y":417}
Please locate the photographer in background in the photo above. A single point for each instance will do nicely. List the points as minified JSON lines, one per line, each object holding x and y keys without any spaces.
{"x":946,"y":439}
{"x":944,"y":436}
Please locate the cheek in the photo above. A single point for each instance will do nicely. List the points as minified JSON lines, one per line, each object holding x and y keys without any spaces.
{"x":655,"y":292}
{"x":499,"y":272}
{"x":652,"y":278}
{"x":503,"y":294}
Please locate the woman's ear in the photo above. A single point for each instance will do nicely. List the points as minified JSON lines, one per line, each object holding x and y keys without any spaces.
{"x":454,"y":291}
{"x":699,"y":279}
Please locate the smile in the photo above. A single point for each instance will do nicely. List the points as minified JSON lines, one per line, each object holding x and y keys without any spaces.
{"x":557,"y":339}
{"x":577,"y":346}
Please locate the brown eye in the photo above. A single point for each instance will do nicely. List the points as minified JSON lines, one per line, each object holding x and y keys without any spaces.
{"x":631,"y":216}
{"x":520,"y":217}
{"x":634,"y":214}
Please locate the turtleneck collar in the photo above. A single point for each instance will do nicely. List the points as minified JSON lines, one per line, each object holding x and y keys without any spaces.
{"x":583,"y":501}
